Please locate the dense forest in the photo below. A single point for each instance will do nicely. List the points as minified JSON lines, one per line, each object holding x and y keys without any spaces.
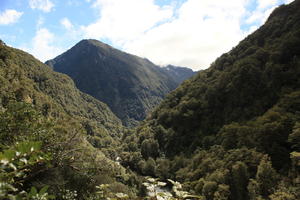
{"x":230,"y":132}
{"x":54,"y":135}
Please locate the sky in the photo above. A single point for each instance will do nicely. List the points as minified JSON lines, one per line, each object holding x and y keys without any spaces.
{"x":188,"y":33}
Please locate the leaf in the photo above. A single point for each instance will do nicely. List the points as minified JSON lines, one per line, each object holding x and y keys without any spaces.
{"x":43,"y":190}
{"x":51,"y":197}
{"x":24,"y":160}
{"x":159,"y":183}
{"x":152,"y":180}
{"x":9,"y":154}
{"x":171,"y":181}
{"x":33,"y":191}
{"x":147,"y":184}
{"x":13,"y":166}
{"x":4,"y":161}
{"x":193,"y":197}
{"x":121,"y":195}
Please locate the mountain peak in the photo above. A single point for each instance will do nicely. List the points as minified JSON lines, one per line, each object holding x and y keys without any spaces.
{"x":131,"y":86}
{"x":93,"y":42}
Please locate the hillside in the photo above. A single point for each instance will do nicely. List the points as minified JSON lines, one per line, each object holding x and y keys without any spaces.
{"x":49,"y":131}
{"x":131,"y":86}
{"x":226,"y":128}
{"x":240,"y":85}
{"x":25,"y":78}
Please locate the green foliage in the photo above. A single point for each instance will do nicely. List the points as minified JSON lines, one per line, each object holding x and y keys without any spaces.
{"x":240,"y":178}
{"x":266,"y":177}
{"x":240,"y":86}
{"x":25,"y":79}
{"x":285,"y":192}
{"x":18,"y":165}
{"x":163,"y":169}
{"x":222,"y":192}
{"x":231,"y":131}
{"x":253,"y":189}
{"x":149,"y":167}
{"x":282,"y":196}
{"x":39,"y":195}
{"x":37,"y":104}
{"x":20,"y":121}
{"x":149,"y":148}
{"x":294,"y":137}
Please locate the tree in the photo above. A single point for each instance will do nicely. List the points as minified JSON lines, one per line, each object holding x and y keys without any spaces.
{"x":294,"y":137}
{"x":253,"y":190}
{"x":239,"y":181}
{"x":222,"y":192}
{"x":21,"y":121}
{"x":163,"y":168}
{"x":266,"y":176}
{"x":149,"y":168}
{"x":209,"y":189}
{"x":149,"y":148}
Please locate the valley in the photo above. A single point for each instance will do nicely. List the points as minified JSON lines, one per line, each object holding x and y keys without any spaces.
{"x":97,"y":123}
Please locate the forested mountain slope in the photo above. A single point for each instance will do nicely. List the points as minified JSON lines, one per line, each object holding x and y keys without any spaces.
{"x":228,"y":127}
{"x":239,"y":86}
{"x":131,"y":86}
{"x":26,"y":79}
{"x":49,"y":131}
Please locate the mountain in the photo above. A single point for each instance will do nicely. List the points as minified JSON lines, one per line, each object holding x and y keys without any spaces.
{"x":179,"y":74}
{"x":229,"y":126}
{"x":131,"y":86}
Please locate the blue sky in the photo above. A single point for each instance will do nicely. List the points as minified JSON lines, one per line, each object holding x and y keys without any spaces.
{"x":190,"y":33}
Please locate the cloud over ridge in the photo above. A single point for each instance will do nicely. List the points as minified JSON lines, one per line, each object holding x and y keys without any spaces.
{"x":192,"y":34}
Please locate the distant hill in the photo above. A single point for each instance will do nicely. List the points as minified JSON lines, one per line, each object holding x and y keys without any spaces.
{"x":131,"y":86}
{"x":179,"y":74}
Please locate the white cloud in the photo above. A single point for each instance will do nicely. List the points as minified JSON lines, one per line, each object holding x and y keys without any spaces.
{"x":43,"y":5}
{"x":263,"y":4}
{"x":288,"y":1}
{"x":74,"y":2}
{"x":193,"y":34}
{"x":202,"y":32}
{"x":65,"y":22}
{"x":260,"y":16}
{"x":252,"y":29}
{"x":9,"y":16}
{"x":121,"y":20}
{"x":40,"y":22}
{"x":263,"y":10}
{"x":43,"y":45}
